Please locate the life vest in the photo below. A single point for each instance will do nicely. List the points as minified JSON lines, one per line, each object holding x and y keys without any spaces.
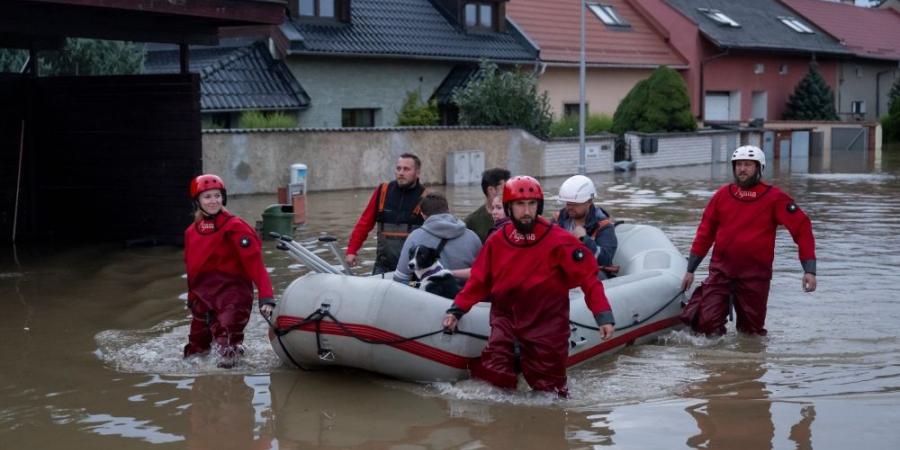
{"x":399,"y":211}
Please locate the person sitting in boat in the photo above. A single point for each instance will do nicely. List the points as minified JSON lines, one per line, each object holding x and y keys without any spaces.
{"x":527,"y":268}
{"x":739,"y":223}
{"x":498,"y":214}
{"x":224,"y":260}
{"x":588,"y":222}
{"x":481,"y":220}
{"x":461,"y":244}
{"x":395,"y":208}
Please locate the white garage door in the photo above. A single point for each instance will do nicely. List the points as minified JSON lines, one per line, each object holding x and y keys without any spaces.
{"x":716,"y":106}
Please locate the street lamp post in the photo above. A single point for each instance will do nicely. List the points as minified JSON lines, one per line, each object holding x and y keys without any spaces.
{"x":582,"y":169}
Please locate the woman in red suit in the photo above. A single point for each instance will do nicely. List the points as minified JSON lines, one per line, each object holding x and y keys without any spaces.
{"x":224,"y":260}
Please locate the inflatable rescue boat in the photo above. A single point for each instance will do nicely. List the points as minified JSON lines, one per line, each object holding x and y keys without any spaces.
{"x":327,"y":318}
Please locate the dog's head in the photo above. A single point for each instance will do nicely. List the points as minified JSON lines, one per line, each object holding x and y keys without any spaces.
{"x":423,"y":259}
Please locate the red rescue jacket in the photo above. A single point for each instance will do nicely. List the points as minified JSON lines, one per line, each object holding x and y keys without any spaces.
{"x":742,"y":224}
{"x":227,"y":245}
{"x":528,"y":277}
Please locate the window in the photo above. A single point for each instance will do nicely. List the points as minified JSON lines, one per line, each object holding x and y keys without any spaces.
{"x":795,"y":25}
{"x":479,"y":15}
{"x":759,"y":68}
{"x":572,"y":109}
{"x":317,"y":8}
{"x":858,"y":107}
{"x":607,"y":14}
{"x":859,"y":72}
{"x":719,"y":17}
{"x":358,"y":117}
{"x":783,"y":70}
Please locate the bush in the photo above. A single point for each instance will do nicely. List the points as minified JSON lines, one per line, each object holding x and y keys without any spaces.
{"x":812,"y":99}
{"x":894,"y":95}
{"x":415,"y":112}
{"x":568,"y":125}
{"x":657,"y":104}
{"x":890,"y":124}
{"x":508,"y":98}
{"x":257,"y":119}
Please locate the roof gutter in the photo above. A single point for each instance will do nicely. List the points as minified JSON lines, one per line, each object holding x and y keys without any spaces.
{"x":410,"y":57}
{"x":614,"y":66}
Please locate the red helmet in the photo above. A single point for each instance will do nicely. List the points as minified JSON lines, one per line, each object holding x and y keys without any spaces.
{"x":205,"y":183}
{"x":523,"y":187}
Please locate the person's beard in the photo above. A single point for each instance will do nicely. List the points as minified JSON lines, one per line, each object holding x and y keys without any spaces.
{"x":524,"y":228}
{"x":748,"y":183}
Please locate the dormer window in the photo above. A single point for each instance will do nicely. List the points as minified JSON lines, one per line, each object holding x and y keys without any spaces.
{"x":608,"y":15}
{"x":719,"y":17}
{"x":479,"y":16}
{"x":796,"y":25}
{"x":317,"y":8}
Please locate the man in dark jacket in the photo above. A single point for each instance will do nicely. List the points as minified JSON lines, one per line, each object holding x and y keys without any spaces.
{"x":587,"y":222}
{"x":480,"y":220}
{"x":394,"y":207}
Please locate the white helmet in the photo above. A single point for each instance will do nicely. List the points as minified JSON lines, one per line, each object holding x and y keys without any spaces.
{"x":749,"y":153}
{"x":577,"y":189}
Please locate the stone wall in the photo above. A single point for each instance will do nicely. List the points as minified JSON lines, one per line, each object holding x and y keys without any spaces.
{"x":258,"y":161}
{"x":561,"y":156}
{"x":682,"y":149}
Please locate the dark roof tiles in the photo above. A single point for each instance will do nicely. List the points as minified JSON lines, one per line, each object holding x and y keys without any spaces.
{"x":760,"y":28}
{"x":404,"y":28}
{"x":235,"y":78}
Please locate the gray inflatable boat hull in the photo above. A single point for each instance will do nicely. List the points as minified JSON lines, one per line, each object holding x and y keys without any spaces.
{"x":358,"y":314}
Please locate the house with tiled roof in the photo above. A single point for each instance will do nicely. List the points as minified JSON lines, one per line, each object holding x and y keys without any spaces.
{"x":622,"y":47}
{"x":873,"y":36}
{"x":745,"y":58}
{"x":358,"y":59}
{"x":238,"y":75}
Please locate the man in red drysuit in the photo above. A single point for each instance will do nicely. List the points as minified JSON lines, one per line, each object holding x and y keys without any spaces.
{"x":526,"y":268}
{"x":223,"y":256}
{"x":741,"y":219}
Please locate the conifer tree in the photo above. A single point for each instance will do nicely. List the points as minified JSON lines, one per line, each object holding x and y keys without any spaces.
{"x":894,"y":95}
{"x":812,"y":99}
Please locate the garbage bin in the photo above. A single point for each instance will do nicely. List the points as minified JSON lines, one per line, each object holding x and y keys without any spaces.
{"x":278,"y":218}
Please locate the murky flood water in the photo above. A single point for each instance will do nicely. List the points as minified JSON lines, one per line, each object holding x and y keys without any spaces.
{"x":91,"y":340}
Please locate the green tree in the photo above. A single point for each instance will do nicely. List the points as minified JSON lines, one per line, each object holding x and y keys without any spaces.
{"x":81,"y":57}
{"x":812,"y":99}
{"x":12,"y":60}
{"x":415,"y":112}
{"x":890,"y":123}
{"x":657,"y":104}
{"x":894,"y":95}
{"x":507,"y":98}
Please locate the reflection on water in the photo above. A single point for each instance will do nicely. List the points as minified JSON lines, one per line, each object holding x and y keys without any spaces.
{"x":91,"y":340}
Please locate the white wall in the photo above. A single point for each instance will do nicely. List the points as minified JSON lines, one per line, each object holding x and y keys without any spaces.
{"x":561,"y":157}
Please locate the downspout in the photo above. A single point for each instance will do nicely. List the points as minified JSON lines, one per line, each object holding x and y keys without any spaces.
{"x":878,"y":92}
{"x":702,"y":87}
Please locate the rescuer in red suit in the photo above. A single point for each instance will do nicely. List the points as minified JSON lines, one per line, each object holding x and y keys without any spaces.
{"x":526,"y":268}
{"x":224,"y":260}
{"x":741,"y":219}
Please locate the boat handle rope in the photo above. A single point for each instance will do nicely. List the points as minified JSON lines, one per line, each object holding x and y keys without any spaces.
{"x":327,"y":355}
{"x":634,"y":323}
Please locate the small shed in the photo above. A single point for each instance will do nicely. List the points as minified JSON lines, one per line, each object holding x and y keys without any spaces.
{"x":105,"y":157}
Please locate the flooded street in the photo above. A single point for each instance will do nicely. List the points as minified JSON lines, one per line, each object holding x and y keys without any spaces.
{"x":91,"y":340}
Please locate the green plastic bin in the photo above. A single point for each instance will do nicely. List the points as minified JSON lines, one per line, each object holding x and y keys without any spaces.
{"x":278,"y":218}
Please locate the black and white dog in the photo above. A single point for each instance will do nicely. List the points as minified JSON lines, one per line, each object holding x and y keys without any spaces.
{"x":426,"y":268}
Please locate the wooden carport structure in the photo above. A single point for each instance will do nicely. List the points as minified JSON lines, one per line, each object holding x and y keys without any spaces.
{"x":105,"y":157}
